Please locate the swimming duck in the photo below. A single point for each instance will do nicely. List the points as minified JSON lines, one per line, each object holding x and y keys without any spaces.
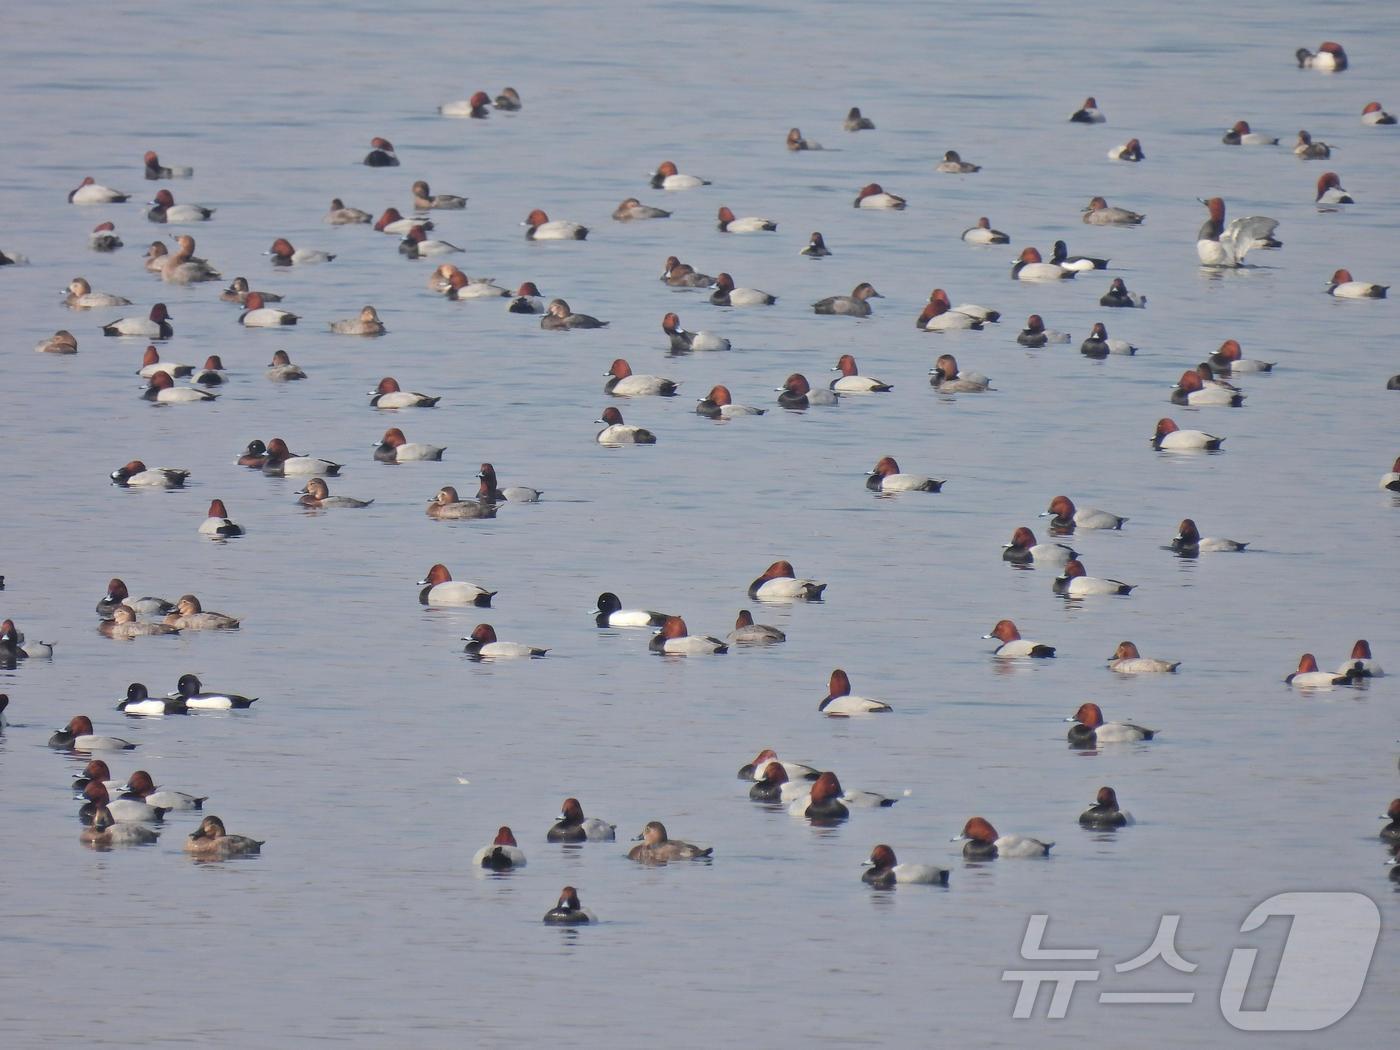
{"x":657,"y":848}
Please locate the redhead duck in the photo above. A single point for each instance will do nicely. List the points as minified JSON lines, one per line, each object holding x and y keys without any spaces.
{"x":757,"y":769}
{"x":139,"y":702}
{"x":123,"y":625}
{"x":797,"y":393}
{"x":395,"y":448}
{"x":340,"y":215}
{"x":1119,"y":296}
{"x":725,"y":294}
{"x":90,"y":191}
{"x":852,"y":382}
{"x":103,"y":238}
{"x":1309,"y":677}
{"x":1029,"y":266}
{"x":259,"y":315}
{"x":1171,"y":438}
{"x":1090,"y":729}
{"x":141,"y":786}
{"x":948,"y":379}
{"x":1127,"y":660}
{"x":281,"y":370}
{"x":1375,"y":115}
{"x":622,"y":383}
{"x":491,"y":492}
{"x":1104,"y":813}
{"x":1330,"y":58}
{"x":394,"y":224}
{"x":682,"y":275}
{"x":558,"y":317}
{"x":1099,"y":344}
{"x":816,"y":247}
{"x":1361,"y":662}
{"x":162,"y":390}
{"x":1390,"y":481}
{"x":1099,"y":213}
{"x":482,"y":645}
{"x":189,"y":615}
{"x":217,"y":523}
{"x":568,"y":911}
{"x":388,"y":394}
{"x":191,"y":692}
{"x":439,"y":588}
{"x":1307,"y":149}
{"x":1230,"y":359}
{"x":105,"y":833}
{"x":212,"y":374}
{"x":508,"y":101}
{"x":668,"y":177}
{"x":885,"y":872}
{"x":1035,"y":335}
{"x":211,"y":840}
{"x":424,"y":199}
{"x":616,"y":432}
{"x":673,"y":638}
{"x":77,"y":735}
{"x":182,"y":266}
{"x":1391,"y":832}
{"x":80,"y":296}
{"x":719,"y":404}
{"x":855,"y":122}
{"x":527,"y":299}
{"x":952,"y":164}
{"x":1130,"y":151}
{"x":631,"y":210}
{"x":1189,"y":542}
{"x":983,"y":233}
{"x":156,"y":170}
{"x":839,"y":703}
{"x":983,"y":843}
{"x":1065,"y":517}
{"x":155,"y":326}
{"x":1024,"y":550}
{"x":857,"y":304}
{"x":137,"y":475}
{"x":1073,"y":583}
{"x":417,"y":245}
{"x":772,"y":784}
{"x":752,"y":224}
{"x":657,"y":848}
{"x":797,"y":144}
{"x":1330,"y":192}
{"x":573,"y":826}
{"x":886,"y":476}
{"x":164,"y":209}
{"x":612,"y":614}
{"x":254,"y":456}
{"x":780,"y":583}
{"x":1221,"y":245}
{"x":1014,"y":647}
{"x":1088,"y":113}
{"x":746,"y":632}
{"x":381,"y":154}
{"x":474,"y":107}
{"x":283,"y":254}
{"x":281,"y":462}
{"x":117,"y":594}
{"x":683,"y":342}
{"x":316,"y":495}
{"x":822,"y":804}
{"x":1344,"y":287}
{"x":873,"y":195}
{"x":1060,"y":256}
{"x":1239,"y":134}
{"x":448,"y":507}
{"x":1192,"y":390}
{"x":502,"y":854}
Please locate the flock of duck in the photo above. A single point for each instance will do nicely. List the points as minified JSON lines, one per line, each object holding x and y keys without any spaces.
{"x":129,"y":810}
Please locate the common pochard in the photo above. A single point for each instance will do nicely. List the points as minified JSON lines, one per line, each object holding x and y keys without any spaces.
{"x":725,"y":294}
{"x":873,"y":195}
{"x":80,"y":296}
{"x":1344,"y":287}
{"x":123,"y":625}
{"x":154,"y":326}
{"x":182,"y":266}
{"x":162,"y":390}
{"x":393,"y":223}
{"x":448,"y":506}
{"x":568,"y":911}
{"x":839,"y":703}
{"x":815,"y":248}
{"x":1119,"y":296}
{"x":621,"y":382}
{"x":1391,"y":832}
{"x":772,"y":784}
{"x":1127,"y":660}
{"x":1130,"y":151}
{"x":719,"y":404}
{"x":1100,"y":345}
{"x":1104,"y":813}
{"x":316,"y":495}
{"x":1035,"y":335}
{"x":281,"y":462}
{"x":1171,"y":438}
{"x":482,"y":645}
{"x":1309,"y":677}
{"x":137,"y":475}
{"x":1014,"y":647}
{"x":416,"y":244}
{"x":750,"y":224}
{"x":388,"y":394}
{"x":1307,"y":149}
{"x":156,"y":170}
{"x":281,"y":370}
{"x":559,"y":317}
{"x":476,"y":107}
{"x":508,"y":101}
{"x":1239,"y":134}
{"x":90,"y":191}
{"x":1189,"y":541}
{"x":284,"y":254}
{"x":1230,"y":359}
{"x":490,"y":490}
{"x":117,"y":594}
{"x":981,"y":842}
{"x":259,"y":315}
{"x":1029,"y":266}
{"x":211,"y":840}
{"x":938,"y":315}
{"x":633,"y":210}
{"x":381,"y":154}
{"x":668,"y":177}
{"x":610,"y":613}
{"x":1024,"y":550}
{"x":886,"y":476}
{"x":439,"y":588}
{"x":983,"y":233}
{"x":340,"y":215}
{"x":797,"y":393}
{"x":1065,"y":517}
{"x":798,"y":144}
{"x":97,"y":769}
{"x":464,"y":289}
{"x":77,"y":735}
{"x":657,"y":848}
{"x":424,"y":199}
{"x":746,"y":632}
{"x":822,"y":803}
{"x":527,"y":299}
{"x":1192,"y":390}
{"x":673,"y":638}
{"x":503,"y":853}
{"x":885,"y":872}
{"x":104,"y":238}
{"x":191,"y":690}
{"x":1373,"y":114}
{"x":106,"y":833}
{"x":138,"y":702}
{"x":1089,"y":113}
{"x":11,"y":647}
{"x":140,"y":786}
{"x":780,"y":583}
{"x":1361,"y":661}
{"x":947,"y":378}
{"x":1073,"y":583}
{"x":1329,"y":58}
{"x":1099,"y":212}
{"x":616,"y":432}
{"x":682,"y":275}
{"x":757,"y":769}
{"x":855,"y":122}
{"x":218,"y":523}
{"x":189,"y":615}
{"x":857,"y":304}
{"x":1060,"y":256}
{"x":164,"y":209}
{"x":852,"y":382}
{"x":213,"y":372}
{"x":1330,"y":192}
{"x":1390,"y":481}
{"x":1227,"y":246}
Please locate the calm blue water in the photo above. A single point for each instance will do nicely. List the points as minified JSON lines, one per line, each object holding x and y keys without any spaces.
{"x":362,"y":921}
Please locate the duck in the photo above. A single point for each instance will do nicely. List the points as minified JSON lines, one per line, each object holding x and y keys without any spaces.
{"x":284,"y":254}
{"x":1329,"y":58}
{"x":105,"y":833}
{"x":1390,"y":481}
{"x":839,"y":703}
{"x":508,"y":101}
{"x":439,"y":588}
{"x":395,"y":448}
{"x":474,"y":107}
{"x":80,"y":296}
{"x":154,"y":326}
{"x":610,"y":613}
{"x":746,"y":632}
{"x":885,"y":871}
{"x":1099,"y":213}
{"x":212,"y":374}
{"x":797,"y":393}
{"x":381,"y":154}
{"x":1343,"y":286}
{"x":683,"y":341}
{"x":622,"y":383}
{"x":1024,"y":550}
{"x":211,"y":840}
{"x":886,"y":476}
{"x":822,"y":804}
{"x":815,"y":247}
{"x":104,"y":238}
{"x":77,"y":735}
{"x":657,"y":848}
{"x":527,"y":299}
{"x":182,"y":266}
{"x":616,"y":432}
{"x":981,"y":842}
{"x":682,"y":275}
{"x":482,"y":645}
{"x":1307,"y":149}
{"x":11,"y":646}
{"x":573,"y":826}
{"x":1060,"y":256}
{"x":668,"y":177}
{"x":424,"y":199}
{"x":1066,"y":517}
{"x":189,"y":615}
{"x":1192,"y":390}
{"x":938,"y":315}
{"x":217,"y":522}
{"x":123,"y":625}
{"x":164,"y":209}
{"x":388,"y":394}
{"x":857,"y":304}
{"x":340,"y":215}
{"x":463,"y":289}
{"x":393,"y":223}
{"x":446,"y":506}
{"x":559,"y":317}
{"x":503,"y":853}
{"x":1029,"y":266}
{"x":1089,"y":113}
{"x":281,"y":370}
{"x":1361,"y":661}
{"x":141,"y":787}
{"x":797,"y":144}
{"x":316,"y":495}
{"x":952,"y":164}
{"x":137,"y":475}
{"x":725,"y":294}
{"x":90,"y":191}
{"x":1014,"y":647}
{"x":1391,"y":832}
{"x":633,"y":210}
{"x":1373,"y":114}
{"x":1230,"y":359}
{"x":1100,"y":345}
{"x":1130,"y":151}
{"x":751,"y":224}
{"x":490,"y":491}
{"x":1104,"y":813}
{"x":780,"y":583}
{"x":1309,"y":677}
{"x":983,"y":233}
{"x":281,"y":462}
{"x":568,"y":911}
{"x":1073,"y":583}
{"x":417,"y":245}
{"x":191,"y":691}
{"x":1035,"y":335}
{"x":1227,"y":246}
{"x":852,"y":382}
{"x":1330,"y":192}
{"x":139,"y":702}
{"x":1119,"y":296}
{"x":254,"y":455}
{"x":96,"y":769}
{"x":855,"y":122}
{"x":673,"y":638}
{"x":873,"y":195}
{"x":117,"y":594}
{"x":257,"y":314}
{"x":1189,"y":541}
{"x":771,"y":784}
{"x":947,"y":378}
{"x":1171,"y":438}
{"x":1127,"y":660}
{"x":156,"y":170}
{"x":1239,"y":134}
{"x":758,"y":768}
{"x":162,"y":390}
